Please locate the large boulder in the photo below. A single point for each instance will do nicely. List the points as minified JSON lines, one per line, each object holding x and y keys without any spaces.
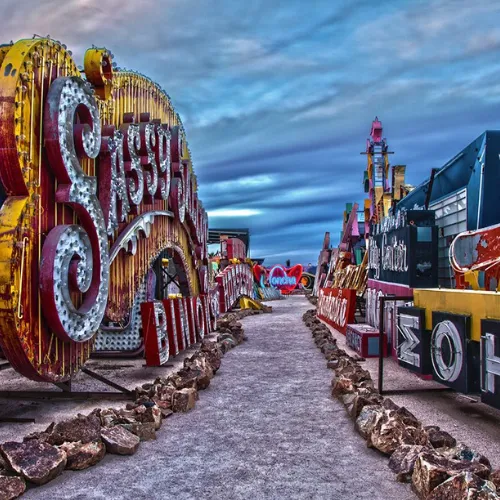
{"x":403,"y":460}
{"x":200,"y":364}
{"x":464,"y":486}
{"x":37,"y":461}
{"x":149,"y":414}
{"x":360,"y":401}
{"x":183,"y":379}
{"x":332,"y":364}
{"x":342,"y":385}
{"x":389,"y":404}
{"x":338,"y":355}
{"x":119,"y":440}
{"x":439,"y":438}
{"x":432,"y":469}
{"x":144,"y":431}
{"x":367,"y":419}
{"x":495,"y":478}
{"x":227,"y":344}
{"x":83,"y":455}
{"x":108,"y":417}
{"x":360,"y":376}
{"x":213,"y":354}
{"x":11,"y":486}
{"x":81,"y":428}
{"x":164,"y":392}
{"x":184,"y":400}
{"x":394,"y":428}
{"x":233,"y":338}
{"x":328,"y":349}
{"x":463,"y":452}
{"x":346,"y":367}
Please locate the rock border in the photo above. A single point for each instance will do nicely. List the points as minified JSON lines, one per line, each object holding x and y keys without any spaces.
{"x":311,"y":298}
{"x":437,"y":467}
{"x":82,"y":441}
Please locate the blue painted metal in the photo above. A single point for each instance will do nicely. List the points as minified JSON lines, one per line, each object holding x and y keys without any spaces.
{"x":464,"y":171}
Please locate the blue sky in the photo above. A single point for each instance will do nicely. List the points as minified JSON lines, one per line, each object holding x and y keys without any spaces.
{"x":277,"y":98}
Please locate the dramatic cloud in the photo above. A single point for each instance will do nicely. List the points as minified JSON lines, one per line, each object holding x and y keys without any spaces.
{"x":278,"y":97}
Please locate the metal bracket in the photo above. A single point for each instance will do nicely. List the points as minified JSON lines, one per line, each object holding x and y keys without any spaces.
{"x":106,"y":381}
{"x":68,"y":393}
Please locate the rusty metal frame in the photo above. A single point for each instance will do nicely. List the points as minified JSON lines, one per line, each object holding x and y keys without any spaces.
{"x":68,"y":393}
{"x":383,"y":300}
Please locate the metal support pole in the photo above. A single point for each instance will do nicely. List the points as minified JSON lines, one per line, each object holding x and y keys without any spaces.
{"x":22,"y":395}
{"x":428,"y":194}
{"x":381,"y":345}
{"x":68,"y":393}
{"x":17,"y":420}
{"x":106,"y":381}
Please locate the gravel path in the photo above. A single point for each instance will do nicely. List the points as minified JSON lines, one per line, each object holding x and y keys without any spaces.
{"x":267,"y":427}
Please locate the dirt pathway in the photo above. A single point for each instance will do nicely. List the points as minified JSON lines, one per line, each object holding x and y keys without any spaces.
{"x":266,"y":428}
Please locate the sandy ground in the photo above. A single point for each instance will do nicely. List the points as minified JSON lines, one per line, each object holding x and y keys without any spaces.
{"x":463,"y":416}
{"x":266,"y":427}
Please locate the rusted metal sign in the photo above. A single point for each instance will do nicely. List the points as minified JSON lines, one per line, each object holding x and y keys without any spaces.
{"x":97,"y":181}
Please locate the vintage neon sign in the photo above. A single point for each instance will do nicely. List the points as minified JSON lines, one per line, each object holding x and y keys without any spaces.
{"x":490,"y":354}
{"x":413,"y":342}
{"x":452,"y":333}
{"x":172,"y":325}
{"x":474,"y":257}
{"x":403,"y":249}
{"x":98,"y":182}
{"x":374,"y":291}
{"x":337,"y":306}
{"x":236,"y":280}
{"x":285,"y":280}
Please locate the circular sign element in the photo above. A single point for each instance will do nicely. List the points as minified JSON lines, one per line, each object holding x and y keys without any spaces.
{"x":446,"y":351}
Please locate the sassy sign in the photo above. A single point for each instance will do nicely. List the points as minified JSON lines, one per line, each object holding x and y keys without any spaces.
{"x":96,"y":182}
{"x":285,"y":280}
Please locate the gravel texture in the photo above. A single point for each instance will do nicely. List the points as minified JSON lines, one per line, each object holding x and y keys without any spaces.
{"x":266,"y":427}
{"x":129,"y":373}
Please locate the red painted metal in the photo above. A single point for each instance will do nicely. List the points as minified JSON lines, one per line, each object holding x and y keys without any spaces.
{"x":336,"y":306}
{"x":477,"y":253}
{"x":156,"y":348}
{"x":285,"y":279}
{"x":236,"y":280}
{"x":358,"y":337}
{"x":233,"y":248}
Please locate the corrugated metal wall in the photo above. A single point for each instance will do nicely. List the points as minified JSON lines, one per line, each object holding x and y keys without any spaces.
{"x":451,"y":218}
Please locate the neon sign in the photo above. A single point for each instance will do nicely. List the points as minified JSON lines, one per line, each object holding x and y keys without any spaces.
{"x":336,"y":306}
{"x":285,"y":280}
{"x":236,"y":280}
{"x":98,"y":181}
{"x":403,"y":249}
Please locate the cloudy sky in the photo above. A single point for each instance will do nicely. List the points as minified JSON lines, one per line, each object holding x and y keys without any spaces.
{"x":277,"y":97}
